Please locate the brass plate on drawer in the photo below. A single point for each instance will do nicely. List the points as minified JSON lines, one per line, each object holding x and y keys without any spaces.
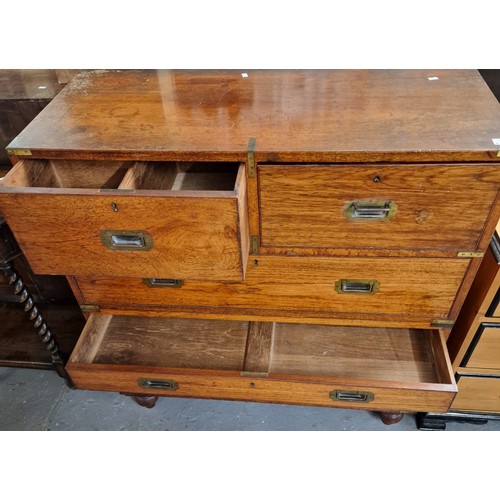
{"x":470,"y":254}
{"x":19,"y":152}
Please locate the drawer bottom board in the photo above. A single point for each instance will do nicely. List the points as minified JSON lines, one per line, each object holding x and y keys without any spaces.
{"x":350,"y":367}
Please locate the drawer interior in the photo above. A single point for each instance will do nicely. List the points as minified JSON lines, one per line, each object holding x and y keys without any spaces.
{"x":403,"y":355}
{"x":181,"y":176}
{"x":90,"y":174}
{"x":84,"y":174}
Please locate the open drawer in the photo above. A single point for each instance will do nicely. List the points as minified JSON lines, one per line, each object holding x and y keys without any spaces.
{"x":366,"y":368}
{"x":155,"y":220}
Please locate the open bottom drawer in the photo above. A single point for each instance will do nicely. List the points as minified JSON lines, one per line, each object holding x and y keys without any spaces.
{"x":367,"y":368}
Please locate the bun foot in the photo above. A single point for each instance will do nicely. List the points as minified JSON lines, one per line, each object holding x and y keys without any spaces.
{"x":146,"y":401}
{"x":391,"y":418}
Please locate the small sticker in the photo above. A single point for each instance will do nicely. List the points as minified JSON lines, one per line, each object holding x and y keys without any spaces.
{"x":496,"y":142}
{"x":42,"y":87}
{"x":244,"y":75}
{"x":432,"y":78}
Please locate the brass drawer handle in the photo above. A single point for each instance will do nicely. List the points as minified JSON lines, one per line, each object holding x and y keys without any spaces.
{"x":163,"y":282}
{"x":126,"y":240}
{"x":165,"y":385}
{"x":370,"y":210}
{"x":367,"y":287}
{"x":352,"y":396}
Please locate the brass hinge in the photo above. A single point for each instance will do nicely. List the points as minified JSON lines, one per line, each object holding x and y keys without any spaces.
{"x":251,"y":157}
{"x":442,"y":323}
{"x":470,"y":255}
{"x":254,"y":374}
{"x":19,"y":152}
{"x":255,"y":245}
{"x":89,"y":308}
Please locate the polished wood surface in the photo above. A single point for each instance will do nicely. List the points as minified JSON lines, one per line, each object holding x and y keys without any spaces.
{"x":310,"y":115}
{"x":121,"y":362}
{"x":479,"y":299}
{"x":478,"y":394}
{"x":419,"y":287}
{"x":196,"y":233}
{"x":486,"y":353}
{"x":270,"y":243}
{"x":438,"y":207}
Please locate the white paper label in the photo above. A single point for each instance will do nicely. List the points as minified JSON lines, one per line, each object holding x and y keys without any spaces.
{"x":432,"y":78}
{"x":244,"y":75}
{"x":496,"y":142}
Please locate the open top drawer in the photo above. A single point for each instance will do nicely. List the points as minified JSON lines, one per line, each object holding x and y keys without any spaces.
{"x":155,"y":220}
{"x":367,"y":368}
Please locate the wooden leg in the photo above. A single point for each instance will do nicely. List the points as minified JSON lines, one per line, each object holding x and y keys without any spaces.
{"x":146,"y":401}
{"x":391,"y":418}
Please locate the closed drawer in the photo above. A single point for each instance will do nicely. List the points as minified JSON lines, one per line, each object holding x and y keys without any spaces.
{"x":478,"y":393}
{"x":129,"y":219}
{"x":484,"y":350}
{"x":494,"y":308}
{"x":378,"y":369}
{"x":383,"y":286}
{"x":407,"y":207}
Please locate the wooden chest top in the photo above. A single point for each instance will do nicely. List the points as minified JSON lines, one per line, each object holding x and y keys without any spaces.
{"x":294,"y":115}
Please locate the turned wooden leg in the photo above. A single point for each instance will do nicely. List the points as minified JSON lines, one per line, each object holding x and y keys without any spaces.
{"x":391,"y":418}
{"x":35,"y":316}
{"x":146,"y":401}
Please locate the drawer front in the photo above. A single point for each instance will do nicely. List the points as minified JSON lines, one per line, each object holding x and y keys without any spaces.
{"x":273,"y":389}
{"x":411,"y":207}
{"x":420,"y":287}
{"x":494,"y":308}
{"x":478,"y":393}
{"x":191,"y":234}
{"x":377,"y":369}
{"x":484,"y":350}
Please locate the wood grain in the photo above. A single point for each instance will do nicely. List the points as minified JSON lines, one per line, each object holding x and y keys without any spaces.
{"x":314,"y":115}
{"x":196,"y":234}
{"x":91,"y":338}
{"x":368,"y":353}
{"x":180,"y":343}
{"x":304,"y":285}
{"x":478,"y":394}
{"x":258,"y":353}
{"x":486,"y":353}
{"x":478,"y":300}
{"x":66,"y":174}
{"x":278,"y":389}
{"x":303,"y":206}
{"x":203,"y":358}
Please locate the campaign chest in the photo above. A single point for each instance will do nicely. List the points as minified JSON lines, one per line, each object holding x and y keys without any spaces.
{"x":301,"y":237}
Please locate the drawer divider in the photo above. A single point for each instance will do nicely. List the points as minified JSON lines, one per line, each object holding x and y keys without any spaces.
{"x":258,"y":351}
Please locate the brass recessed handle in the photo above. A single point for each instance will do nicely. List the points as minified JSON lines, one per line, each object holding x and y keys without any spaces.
{"x":165,"y":385}
{"x":370,"y":210}
{"x":163,"y":282}
{"x":352,"y":396}
{"x":126,"y":240}
{"x":367,"y":287}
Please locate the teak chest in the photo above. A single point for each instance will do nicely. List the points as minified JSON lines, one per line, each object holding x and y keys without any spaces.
{"x":300,"y":237}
